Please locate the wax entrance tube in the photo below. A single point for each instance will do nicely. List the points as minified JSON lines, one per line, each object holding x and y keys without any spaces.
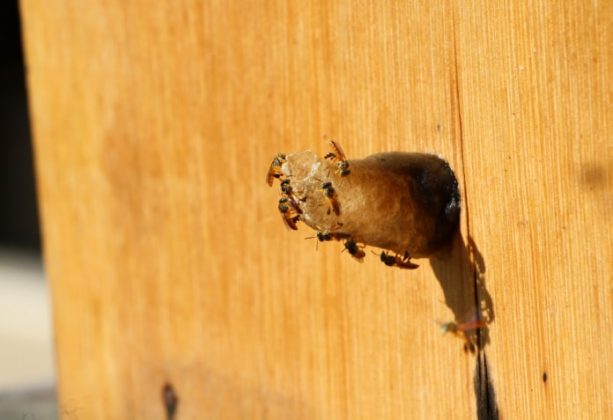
{"x":406,"y":203}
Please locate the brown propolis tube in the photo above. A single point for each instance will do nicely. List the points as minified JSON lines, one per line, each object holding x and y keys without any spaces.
{"x":407,"y":203}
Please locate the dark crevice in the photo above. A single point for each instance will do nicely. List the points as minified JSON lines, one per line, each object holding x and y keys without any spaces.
{"x":487,"y":409}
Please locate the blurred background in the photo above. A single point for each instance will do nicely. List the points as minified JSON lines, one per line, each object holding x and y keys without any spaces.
{"x":27,"y":389}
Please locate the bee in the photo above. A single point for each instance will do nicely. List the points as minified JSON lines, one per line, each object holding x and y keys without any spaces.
{"x":324,"y":236}
{"x":286,"y":188}
{"x":354,"y":250}
{"x":275,"y":168}
{"x":288,"y":192}
{"x":462,"y":328}
{"x":330,"y":193}
{"x":395,"y":260}
{"x":290,"y":213}
{"x":338,"y":156}
{"x":465,"y":330}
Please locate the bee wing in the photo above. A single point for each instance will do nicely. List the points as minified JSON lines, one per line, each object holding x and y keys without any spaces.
{"x":294,"y":204}
{"x":289,"y":223}
{"x":447,"y":327}
{"x":340,"y":154}
{"x":406,"y":265}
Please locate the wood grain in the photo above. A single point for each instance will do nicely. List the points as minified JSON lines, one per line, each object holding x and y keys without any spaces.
{"x":546,"y":141}
{"x":154,"y":125}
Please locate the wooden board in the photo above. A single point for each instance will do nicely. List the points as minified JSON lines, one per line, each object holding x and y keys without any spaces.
{"x":154,"y":125}
{"x":537,"y":126}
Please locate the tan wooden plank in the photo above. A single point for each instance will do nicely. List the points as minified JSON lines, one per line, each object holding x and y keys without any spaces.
{"x":537,"y":108}
{"x":154,"y":125}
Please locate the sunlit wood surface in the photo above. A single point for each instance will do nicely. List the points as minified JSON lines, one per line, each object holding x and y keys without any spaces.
{"x":154,"y":125}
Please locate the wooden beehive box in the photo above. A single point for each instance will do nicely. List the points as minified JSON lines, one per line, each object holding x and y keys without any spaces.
{"x":154,"y":126}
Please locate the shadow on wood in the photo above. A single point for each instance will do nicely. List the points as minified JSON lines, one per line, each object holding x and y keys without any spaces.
{"x":461,"y":274}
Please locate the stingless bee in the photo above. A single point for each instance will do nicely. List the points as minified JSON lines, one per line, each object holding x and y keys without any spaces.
{"x":354,"y":250}
{"x":395,"y":260}
{"x":330,"y":193}
{"x":275,"y":168}
{"x":338,"y":156}
{"x":465,"y":330}
{"x":462,"y":328}
{"x":287,"y":192}
{"x":324,"y":236}
{"x":290,"y":212}
{"x":286,"y":188}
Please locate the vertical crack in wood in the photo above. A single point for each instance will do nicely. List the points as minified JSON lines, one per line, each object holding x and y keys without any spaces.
{"x":487,"y":408}
{"x":457,"y":110}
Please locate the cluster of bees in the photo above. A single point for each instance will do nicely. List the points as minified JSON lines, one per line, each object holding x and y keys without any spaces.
{"x":291,"y":212}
